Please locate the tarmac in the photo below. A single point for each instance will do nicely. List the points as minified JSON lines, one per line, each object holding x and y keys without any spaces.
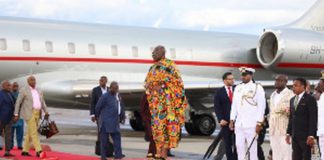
{"x":78,"y":136}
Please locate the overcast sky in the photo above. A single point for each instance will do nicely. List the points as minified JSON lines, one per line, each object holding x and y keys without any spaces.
{"x":242,"y":16}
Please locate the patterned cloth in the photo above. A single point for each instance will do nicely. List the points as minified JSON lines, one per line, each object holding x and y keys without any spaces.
{"x":167,"y":102}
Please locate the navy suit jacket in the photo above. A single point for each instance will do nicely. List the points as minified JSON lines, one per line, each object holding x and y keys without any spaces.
{"x":95,"y":95}
{"x":222,"y":104}
{"x":107,"y":112}
{"x":7,"y":107}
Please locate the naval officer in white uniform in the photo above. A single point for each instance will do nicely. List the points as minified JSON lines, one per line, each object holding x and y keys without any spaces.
{"x":247,"y":114}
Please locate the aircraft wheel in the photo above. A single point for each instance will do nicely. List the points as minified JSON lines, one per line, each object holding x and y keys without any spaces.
{"x":205,"y":125}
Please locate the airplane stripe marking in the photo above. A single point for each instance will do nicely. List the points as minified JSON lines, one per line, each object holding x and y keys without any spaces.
{"x":112,"y":60}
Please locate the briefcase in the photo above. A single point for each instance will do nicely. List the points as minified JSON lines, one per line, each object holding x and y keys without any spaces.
{"x":110,"y":149}
{"x":52,"y":129}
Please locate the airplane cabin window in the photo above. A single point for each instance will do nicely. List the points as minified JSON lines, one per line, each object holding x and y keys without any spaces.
{"x":71,"y":48}
{"x":3,"y":44}
{"x":49,"y":46}
{"x":114,"y":50}
{"x":26,"y":45}
{"x":92,"y":49}
{"x":135,"y":51}
{"x":173,"y":53}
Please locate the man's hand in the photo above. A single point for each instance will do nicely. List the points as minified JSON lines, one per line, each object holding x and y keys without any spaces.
{"x":258,"y":128}
{"x":46,"y":116}
{"x":231,"y":125}
{"x":223,"y":123}
{"x":15,"y":119}
{"x":310,"y":141}
{"x":288,"y":139}
{"x":93,"y":119}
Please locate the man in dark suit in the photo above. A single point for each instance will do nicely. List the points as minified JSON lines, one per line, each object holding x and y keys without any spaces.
{"x":302,"y":126}
{"x":96,"y":94}
{"x":108,"y":111}
{"x":7,"y":107}
{"x":222,"y":103}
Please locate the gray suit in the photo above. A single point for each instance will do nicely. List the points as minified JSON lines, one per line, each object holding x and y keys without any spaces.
{"x":24,"y":103}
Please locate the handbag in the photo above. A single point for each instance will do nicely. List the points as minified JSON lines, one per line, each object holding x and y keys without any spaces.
{"x":52,"y":129}
{"x":43,"y":128}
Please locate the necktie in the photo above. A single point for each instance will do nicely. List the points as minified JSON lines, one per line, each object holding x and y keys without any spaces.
{"x":296,"y":102}
{"x":230,"y":94}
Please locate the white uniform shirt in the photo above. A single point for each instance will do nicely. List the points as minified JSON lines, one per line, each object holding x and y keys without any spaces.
{"x":320,"y":104}
{"x":246,"y":112}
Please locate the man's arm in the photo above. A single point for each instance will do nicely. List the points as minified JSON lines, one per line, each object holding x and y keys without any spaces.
{"x":261,"y":102}
{"x":217,"y":106}
{"x":122,"y":115}
{"x":289,"y":128}
{"x":44,"y":106}
{"x":99,"y":106}
{"x":19,"y":101}
{"x":93,"y":103}
{"x":313,"y":116}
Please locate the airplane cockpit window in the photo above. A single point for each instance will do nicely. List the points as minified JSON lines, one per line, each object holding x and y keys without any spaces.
{"x":3,"y":44}
{"x":71,"y":48}
{"x":173,"y":53}
{"x":114,"y":50}
{"x":135,"y":51}
{"x":92,"y":49}
{"x":26,"y":45}
{"x":49,"y":46}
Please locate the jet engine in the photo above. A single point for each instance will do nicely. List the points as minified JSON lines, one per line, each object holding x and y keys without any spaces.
{"x":292,"y":51}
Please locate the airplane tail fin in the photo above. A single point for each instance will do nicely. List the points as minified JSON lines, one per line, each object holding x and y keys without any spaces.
{"x":313,"y":19}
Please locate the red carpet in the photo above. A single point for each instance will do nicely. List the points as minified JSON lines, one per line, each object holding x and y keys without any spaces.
{"x":51,"y":155}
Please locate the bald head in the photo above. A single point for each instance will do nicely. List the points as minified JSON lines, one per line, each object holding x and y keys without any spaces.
{"x":15,"y":87}
{"x":158,"y":53}
{"x":31,"y":80}
{"x":281,"y":82}
{"x":114,"y":88}
{"x":6,"y":86}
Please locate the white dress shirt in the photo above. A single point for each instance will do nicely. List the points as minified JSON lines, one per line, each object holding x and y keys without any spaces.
{"x":36,"y":99}
{"x":118,"y":101}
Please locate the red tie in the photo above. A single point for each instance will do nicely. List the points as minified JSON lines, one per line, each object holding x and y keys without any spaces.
{"x":230,"y":94}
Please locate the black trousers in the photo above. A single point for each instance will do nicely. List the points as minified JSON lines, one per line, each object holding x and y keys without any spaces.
{"x":260,"y":142}
{"x":7,"y":134}
{"x":301,"y":151}
{"x":228,"y":137}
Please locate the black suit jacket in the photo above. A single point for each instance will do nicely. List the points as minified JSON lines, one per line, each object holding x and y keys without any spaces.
{"x":95,"y":95}
{"x":303,"y":121}
{"x":222,"y":104}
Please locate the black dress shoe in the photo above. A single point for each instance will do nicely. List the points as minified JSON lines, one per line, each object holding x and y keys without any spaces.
{"x":25,"y":154}
{"x":38,"y":153}
{"x":0,"y":148}
{"x":8,"y":154}
{"x":120,"y":157}
{"x":20,"y":148}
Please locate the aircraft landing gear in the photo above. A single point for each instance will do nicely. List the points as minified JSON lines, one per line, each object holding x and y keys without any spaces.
{"x":136,"y":121}
{"x":203,"y":125}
